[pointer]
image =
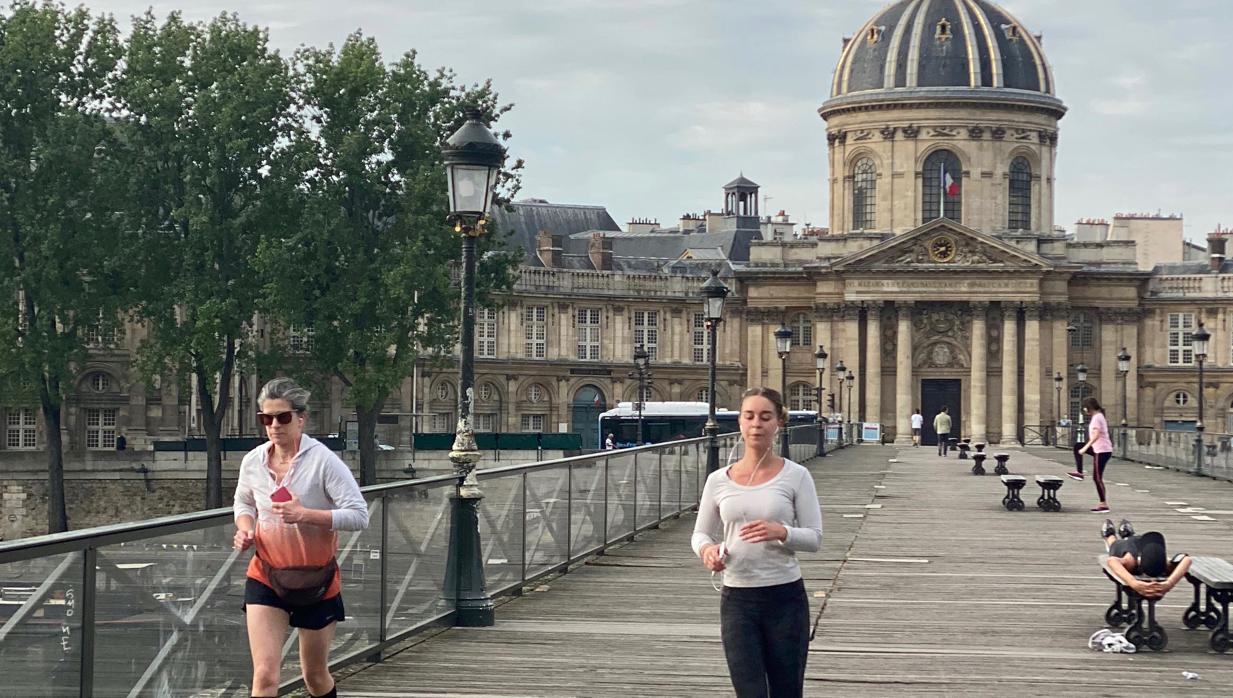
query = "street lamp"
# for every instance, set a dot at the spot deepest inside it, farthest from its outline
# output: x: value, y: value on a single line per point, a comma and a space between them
x: 1199, y: 344
x: 713, y: 294
x: 1123, y: 367
x: 472, y: 158
x: 783, y: 345
x: 838, y: 375
x: 820, y: 364
x: 851, y: 379
x: 642, y: 365
x: 1081, y: 372
x: 1057, y: 414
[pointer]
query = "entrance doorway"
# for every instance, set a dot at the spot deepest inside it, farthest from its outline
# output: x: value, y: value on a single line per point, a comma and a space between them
x: 936, y: 393
x: 588, y: 404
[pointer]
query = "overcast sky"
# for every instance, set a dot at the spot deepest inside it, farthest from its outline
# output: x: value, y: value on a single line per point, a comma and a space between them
x: 649, y: 107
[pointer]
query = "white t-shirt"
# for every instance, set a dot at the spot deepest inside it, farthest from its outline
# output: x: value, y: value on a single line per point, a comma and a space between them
x: 918, y: 421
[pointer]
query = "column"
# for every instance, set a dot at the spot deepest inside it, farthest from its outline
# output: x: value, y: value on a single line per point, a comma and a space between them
x: 903, y: 374
x: 873, y: 362
x: 1110, y: 391
x: 823, y: 335
x: 851, y: 356
x: 1059, y: 314
x: 1032, y: 369
x: 1010, y: 373
x: 1130, y: 337
x: 977, y: 401
x: 755, y: 332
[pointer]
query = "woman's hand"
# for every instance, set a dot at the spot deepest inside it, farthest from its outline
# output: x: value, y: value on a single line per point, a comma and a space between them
x: 761, y: 531
x: 290, y: 511
x: 711, y: 559
x: 243, y: 540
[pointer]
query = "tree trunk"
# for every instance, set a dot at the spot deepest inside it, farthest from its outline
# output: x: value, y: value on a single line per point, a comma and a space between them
x: 57, y: 514
x: 213, y: 423
x: 367, y: 418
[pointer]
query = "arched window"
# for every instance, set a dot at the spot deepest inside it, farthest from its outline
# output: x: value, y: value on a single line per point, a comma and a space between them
x: 943, y: 188
x: 1181, y: 398
x: 864, y: 195
x: 703, y: 395
x: 802, y: 330
x: 1078, y: 392
x: 1020, y: 200
x: 800, y: 396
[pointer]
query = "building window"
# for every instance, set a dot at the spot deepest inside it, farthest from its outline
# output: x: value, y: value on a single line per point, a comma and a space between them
x: 487, y: 392
x: 535, y: 331
x: 535, y: 393
x: 443, y: 422
x: 100, y: 382
x: 20, y: 429
x: 99, y: 337
x: 942, y: 187
x: 1181, y: 329
x: 704, y: 395
x: 486, y: 333
x: 300, y: 339
x: 864, y: 195
x: 646, y: 331
x: 802, y: 330
x: 1078, y: 392
x: 588, y: 334
x: 1084, y: 336
x: 443, y: 391
x: 1020, y: 200
x: 1181, y: 398
x: 100, y: 429
x: 533, y: 422
x: 800, y: 396
x: 485, y: 421
x: 702, y: 353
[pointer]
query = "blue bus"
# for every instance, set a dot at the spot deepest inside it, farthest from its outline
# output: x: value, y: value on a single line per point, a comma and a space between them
x: 670, y: 421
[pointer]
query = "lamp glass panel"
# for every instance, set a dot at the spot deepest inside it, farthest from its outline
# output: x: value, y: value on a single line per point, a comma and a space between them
x: 469, y: 189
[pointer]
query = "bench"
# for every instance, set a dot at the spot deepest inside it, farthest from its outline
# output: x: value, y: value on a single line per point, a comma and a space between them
x: 1217, y: 575
x: 978, y: 466
x: 1049, y: 485
x: 953, y: 444
x: 1001, y: 458
x: 979, y: 446
x: 1144, y: 631
x: 962, y: 447
x: 1013, y: 483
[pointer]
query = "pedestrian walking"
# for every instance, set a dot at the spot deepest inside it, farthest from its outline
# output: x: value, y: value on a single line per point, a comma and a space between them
x: 941, y: 426
x: 292, y: 498
x: 918, y: 423
x: 1100, y: 446
x: 610, y: 442
x: 754, y: 517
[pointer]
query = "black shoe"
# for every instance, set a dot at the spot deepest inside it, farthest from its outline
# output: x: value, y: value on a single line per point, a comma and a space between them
x: 1107, y: 529
x: 1125, y: 530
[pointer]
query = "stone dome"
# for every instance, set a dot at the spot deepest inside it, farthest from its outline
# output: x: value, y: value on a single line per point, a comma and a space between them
x: 965, y: 49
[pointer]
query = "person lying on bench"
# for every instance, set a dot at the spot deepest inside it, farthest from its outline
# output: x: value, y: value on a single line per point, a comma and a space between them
x: 1143, y: 555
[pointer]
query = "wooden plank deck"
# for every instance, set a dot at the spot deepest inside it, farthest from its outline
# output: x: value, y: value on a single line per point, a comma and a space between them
x: 934, y: 590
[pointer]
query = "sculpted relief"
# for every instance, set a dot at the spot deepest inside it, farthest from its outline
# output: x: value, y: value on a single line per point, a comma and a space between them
x: 944, y: 249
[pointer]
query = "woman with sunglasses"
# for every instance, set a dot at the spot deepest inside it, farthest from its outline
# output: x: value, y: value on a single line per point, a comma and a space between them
x: 292, y: 498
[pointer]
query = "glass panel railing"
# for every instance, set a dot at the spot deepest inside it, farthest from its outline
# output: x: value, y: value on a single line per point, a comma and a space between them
x: 505, y: 517
x: 417, y: 547
x: 621, y: 491
x: 40, y: 626
x: 649, y: 487
x: 586, y: 507
x: 547, y: 518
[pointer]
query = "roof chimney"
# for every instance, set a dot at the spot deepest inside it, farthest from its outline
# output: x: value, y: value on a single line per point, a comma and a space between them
x: 599, y: 249
x: 1217, y: 241
x: 548, y: 247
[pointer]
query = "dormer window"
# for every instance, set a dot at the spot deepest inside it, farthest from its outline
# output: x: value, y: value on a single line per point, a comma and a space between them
x: 942, y: 32
x: 1011, y: 31
x: 875, y: 34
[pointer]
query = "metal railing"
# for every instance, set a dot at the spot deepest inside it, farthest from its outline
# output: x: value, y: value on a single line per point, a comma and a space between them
x: 153, y: 608
x: 1206, y: 453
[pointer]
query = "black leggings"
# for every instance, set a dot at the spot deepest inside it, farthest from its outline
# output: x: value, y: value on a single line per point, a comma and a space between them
x: 766, y: 639
x: 1078, y: 458
x: 1098, y: 473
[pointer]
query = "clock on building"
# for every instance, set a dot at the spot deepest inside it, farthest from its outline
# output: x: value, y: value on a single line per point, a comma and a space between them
x: 942, y: 248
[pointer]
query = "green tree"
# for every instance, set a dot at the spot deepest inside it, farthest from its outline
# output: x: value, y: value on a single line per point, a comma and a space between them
x: 59, y: 228
x: 368, y: 268
x: 208, y: 116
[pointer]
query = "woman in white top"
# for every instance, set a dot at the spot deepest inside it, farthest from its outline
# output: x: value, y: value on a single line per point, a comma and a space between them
x: 755, y: 515
x: 292, y: 498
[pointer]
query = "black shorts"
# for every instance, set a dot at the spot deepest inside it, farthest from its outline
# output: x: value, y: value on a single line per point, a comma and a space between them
x: 916, y: 431
x: 314, y: 617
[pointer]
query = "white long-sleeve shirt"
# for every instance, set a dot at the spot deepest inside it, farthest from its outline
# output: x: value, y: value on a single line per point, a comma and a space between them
x: 789, y: 499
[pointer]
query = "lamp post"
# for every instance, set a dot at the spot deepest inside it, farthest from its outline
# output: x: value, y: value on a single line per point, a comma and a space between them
x: 642, y: 365
x: 713, y: 294
x: 472, y: 158
x: 820, y: 364
x: 1199, y: 343
x: 1081, y: 372
x: 1123, y: 367
x: 837, y: 397
x: 851, y: 379
x: 1057, y: 414
x: 783, y: 345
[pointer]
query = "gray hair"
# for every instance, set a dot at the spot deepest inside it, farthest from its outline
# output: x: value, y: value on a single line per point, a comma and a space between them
x: 285, y: 389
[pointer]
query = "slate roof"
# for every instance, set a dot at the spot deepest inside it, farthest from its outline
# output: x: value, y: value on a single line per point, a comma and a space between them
x: 531, y: 216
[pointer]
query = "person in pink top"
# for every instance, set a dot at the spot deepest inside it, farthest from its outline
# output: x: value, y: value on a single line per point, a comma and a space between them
x: 1100, y: 446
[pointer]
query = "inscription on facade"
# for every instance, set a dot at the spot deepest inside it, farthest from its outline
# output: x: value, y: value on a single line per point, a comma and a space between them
x: 991, y: 286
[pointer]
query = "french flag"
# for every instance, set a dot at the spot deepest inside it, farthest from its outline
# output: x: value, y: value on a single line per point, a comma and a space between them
x: 949, y: 185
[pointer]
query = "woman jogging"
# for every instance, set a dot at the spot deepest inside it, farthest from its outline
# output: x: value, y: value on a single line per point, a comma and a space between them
x: 1100, y: 446
x: 755, y: 515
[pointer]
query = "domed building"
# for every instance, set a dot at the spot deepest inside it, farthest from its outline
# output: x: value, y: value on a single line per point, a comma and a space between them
x: 942, y: 280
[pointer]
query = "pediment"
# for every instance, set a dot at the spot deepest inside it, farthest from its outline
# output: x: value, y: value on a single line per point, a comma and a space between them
x: 942, y: 245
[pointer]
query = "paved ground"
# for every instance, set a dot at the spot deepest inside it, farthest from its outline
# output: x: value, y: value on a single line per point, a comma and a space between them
x: 930, y: 587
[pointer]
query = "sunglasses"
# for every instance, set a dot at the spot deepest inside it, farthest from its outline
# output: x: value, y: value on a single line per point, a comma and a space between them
x: 282, y: 417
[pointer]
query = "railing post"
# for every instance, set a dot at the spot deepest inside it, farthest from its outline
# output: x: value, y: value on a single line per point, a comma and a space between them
x: 659, y: 498
x: 607, y: 460
x: 634, y: 529
x: 569, y: 513
x: 383, y: 631
x: 524, y: 528
x: 85, y: 611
